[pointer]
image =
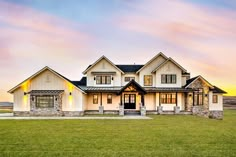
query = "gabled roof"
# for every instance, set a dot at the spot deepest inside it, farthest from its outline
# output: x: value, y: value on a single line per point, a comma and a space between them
x: 159, y: 54
x: 103, y: 57
x: 39, y: 72
x: 190, y: 81
x: 129, y: 68
x: 134, y: 83
x: 170, y: 60
x: 218, y: 90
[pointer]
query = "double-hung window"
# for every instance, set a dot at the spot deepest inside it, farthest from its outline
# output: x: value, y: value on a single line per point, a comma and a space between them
x: 147, y: 80
x: 103, y: 79
x: 168, y: 98
x: 168, y: 78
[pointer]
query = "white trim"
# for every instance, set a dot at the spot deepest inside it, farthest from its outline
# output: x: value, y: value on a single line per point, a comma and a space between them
x: 159, y: 54
x: 103, y: 57
x: 169, y: 60
x: 204, y: 80
x: 37, y: 73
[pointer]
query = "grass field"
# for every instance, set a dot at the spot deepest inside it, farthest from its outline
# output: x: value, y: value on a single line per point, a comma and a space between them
x: 165, y: 135
x: 5, y: 111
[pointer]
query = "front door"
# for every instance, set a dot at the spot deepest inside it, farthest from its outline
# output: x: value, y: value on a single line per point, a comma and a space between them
x: 130, y: 101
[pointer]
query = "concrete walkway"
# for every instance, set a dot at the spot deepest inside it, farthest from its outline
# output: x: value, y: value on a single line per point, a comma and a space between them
x: 10, y: 116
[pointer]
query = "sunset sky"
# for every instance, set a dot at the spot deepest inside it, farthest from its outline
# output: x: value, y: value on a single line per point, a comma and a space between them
x: 68, y: 35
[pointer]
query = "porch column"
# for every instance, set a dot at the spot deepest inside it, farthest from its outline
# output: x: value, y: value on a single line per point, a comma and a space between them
x: 121, y: 107
x: 159, y: 108
x: 142, y: 100
x: 142, y: 107
x: 176, y: 108
x: 101, y: 108
x: 189, y: 101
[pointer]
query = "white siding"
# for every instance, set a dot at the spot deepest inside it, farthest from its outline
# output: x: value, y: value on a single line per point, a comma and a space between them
x: 169, y: 68
x: 104, y: 66
x: 148, y: 70
x: 48, y: 81
x: 170, y: 107
x: 128, y: 75
x: 150, y: 101
x: 113, y: 106
x: 215, y: 106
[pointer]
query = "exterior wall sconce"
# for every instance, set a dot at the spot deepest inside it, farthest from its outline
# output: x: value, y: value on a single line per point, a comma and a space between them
x: 94, y: 78
x: 205, y: 95
x: 25, y: 93
x: 112, y: 78
x: 56, y: 99
x: 70, y: 93
x: 190, y: 95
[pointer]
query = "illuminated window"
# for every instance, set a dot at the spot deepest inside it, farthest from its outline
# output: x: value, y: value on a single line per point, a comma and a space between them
x: 44, y: 101
x: 169, y: 98
x: 215, y: 99
x: 147, y: 80
x: 127, y: 79
x: 95, y: 99
x: 168, y: 79
x: 198, y: 97
x: 109, y: 99
x: 103, y: 79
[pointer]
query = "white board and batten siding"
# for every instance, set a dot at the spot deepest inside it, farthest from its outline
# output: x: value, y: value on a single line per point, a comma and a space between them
x: 104, y: 66
x: 147, y: 70
x: 169, y: 68
x: 215, y: 106
x: 49, y: 81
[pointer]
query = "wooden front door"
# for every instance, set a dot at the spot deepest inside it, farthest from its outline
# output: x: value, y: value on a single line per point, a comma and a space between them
x: 130, y: 101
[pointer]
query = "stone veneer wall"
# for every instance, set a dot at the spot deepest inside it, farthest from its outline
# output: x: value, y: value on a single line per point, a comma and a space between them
x: 189, y: 102
x: 200, y: 84
x: 200, y: 111
x: 55, y: 111
x: 216, y: 114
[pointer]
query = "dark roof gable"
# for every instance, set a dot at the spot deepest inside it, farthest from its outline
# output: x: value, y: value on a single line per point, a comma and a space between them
x: 218, y: 90
x: 129, y: 68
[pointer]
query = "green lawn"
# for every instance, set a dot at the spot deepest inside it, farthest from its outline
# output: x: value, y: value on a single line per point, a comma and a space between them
x: 5, y: 111
x: 165, y: 135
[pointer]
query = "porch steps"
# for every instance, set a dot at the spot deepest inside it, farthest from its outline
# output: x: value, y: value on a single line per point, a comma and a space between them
x: 132, y: 112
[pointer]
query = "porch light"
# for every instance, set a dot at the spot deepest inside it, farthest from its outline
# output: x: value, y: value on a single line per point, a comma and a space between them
x: 94, y: 78
x: 70, y: 93
x: 112, y: 78
x: 56, y: 99
x: 205, y: 95
x: 25, y: 93
x: 190, y: 95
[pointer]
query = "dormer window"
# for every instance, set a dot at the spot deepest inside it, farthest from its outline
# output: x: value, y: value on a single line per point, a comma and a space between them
x: 103, y: 79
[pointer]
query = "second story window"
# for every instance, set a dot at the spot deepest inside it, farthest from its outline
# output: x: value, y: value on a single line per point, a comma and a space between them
x: 103, y: 79
x: 127, y: 79
x: 147, y: 80
x: 168, y: 78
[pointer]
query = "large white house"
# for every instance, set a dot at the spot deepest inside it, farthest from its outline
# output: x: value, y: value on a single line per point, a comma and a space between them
x: 161, y: 86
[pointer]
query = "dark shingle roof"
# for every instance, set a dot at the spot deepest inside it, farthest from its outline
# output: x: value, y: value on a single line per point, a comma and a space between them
x: 82, y: 82
x: 218, y: 90
x: 190, y: 81
x: 129, y: 68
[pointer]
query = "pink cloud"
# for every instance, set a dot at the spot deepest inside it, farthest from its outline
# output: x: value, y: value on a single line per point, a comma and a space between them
x: 205, y: 36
